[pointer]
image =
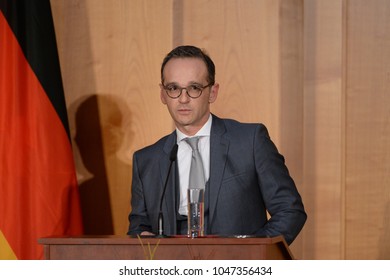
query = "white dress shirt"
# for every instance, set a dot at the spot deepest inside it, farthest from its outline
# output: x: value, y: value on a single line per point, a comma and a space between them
x: 184, y: 155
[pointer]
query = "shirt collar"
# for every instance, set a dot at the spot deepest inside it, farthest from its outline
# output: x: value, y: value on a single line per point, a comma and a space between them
x: 204, y: 131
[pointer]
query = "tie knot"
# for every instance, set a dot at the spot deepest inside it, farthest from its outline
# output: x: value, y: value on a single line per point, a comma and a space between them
x: 193, y: 142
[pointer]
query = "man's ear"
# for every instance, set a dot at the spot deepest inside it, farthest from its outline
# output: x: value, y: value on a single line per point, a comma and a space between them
x: 163, y: 95
x: 214, y: 93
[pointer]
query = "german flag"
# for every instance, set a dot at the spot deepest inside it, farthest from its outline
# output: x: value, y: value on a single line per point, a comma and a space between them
x: 38, y: 187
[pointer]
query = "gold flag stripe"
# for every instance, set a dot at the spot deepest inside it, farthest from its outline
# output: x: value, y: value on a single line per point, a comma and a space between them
x: 6, y: 252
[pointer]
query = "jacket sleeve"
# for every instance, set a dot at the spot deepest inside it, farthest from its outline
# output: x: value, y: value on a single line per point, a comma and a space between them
x: 281, y: 197
x: 138, y: 217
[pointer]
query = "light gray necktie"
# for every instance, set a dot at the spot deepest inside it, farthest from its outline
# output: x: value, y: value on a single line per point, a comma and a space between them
x: 197, y: 177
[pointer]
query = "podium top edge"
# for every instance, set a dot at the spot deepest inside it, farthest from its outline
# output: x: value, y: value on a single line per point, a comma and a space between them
x: 125, y: 239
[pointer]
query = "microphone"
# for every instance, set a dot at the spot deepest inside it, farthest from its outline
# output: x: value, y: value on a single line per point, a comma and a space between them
x: 172, y: 158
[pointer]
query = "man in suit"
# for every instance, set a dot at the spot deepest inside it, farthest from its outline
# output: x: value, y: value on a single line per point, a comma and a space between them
x: 245, y: 174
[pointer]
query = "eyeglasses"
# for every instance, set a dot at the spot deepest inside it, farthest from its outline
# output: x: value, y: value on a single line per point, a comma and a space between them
x: 193, y: 91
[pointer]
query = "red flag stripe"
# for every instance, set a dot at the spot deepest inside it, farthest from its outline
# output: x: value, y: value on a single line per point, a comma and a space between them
x: 38, y: 188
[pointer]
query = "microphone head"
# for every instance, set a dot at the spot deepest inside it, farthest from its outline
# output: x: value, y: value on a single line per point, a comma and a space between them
x: 173, y: 155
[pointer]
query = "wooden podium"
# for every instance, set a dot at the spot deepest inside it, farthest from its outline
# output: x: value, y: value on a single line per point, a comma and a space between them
x: 172, y: 248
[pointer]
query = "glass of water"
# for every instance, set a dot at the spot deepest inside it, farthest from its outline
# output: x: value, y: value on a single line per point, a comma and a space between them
x: 195, y: 212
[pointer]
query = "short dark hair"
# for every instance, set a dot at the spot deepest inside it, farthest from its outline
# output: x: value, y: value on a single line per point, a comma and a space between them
x: 188, y: 52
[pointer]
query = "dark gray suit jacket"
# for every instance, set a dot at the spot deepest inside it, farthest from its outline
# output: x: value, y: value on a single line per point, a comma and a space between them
x: 247, y: 177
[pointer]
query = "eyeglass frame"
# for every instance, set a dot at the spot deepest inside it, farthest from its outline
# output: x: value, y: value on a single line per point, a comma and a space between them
x: 186, y: 88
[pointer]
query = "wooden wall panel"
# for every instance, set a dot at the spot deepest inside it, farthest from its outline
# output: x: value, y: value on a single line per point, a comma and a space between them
x: 242, y: 38
x: 368, y: 130
x: 291, y: 106
x: 323, y: 110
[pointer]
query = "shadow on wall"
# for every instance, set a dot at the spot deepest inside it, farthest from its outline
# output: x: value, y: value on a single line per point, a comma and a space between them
x: 94, y: 191
x: 98, y: 138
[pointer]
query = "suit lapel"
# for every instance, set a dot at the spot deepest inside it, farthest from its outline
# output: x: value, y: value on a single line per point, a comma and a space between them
x: 169, y: 208
x: 219, y: 147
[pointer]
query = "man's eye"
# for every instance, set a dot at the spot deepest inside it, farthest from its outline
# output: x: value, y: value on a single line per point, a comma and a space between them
x: 172, y: 88
x: 195, y: 87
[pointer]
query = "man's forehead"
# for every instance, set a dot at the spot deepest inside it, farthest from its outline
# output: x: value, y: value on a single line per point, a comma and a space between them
x: 185, y: 67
